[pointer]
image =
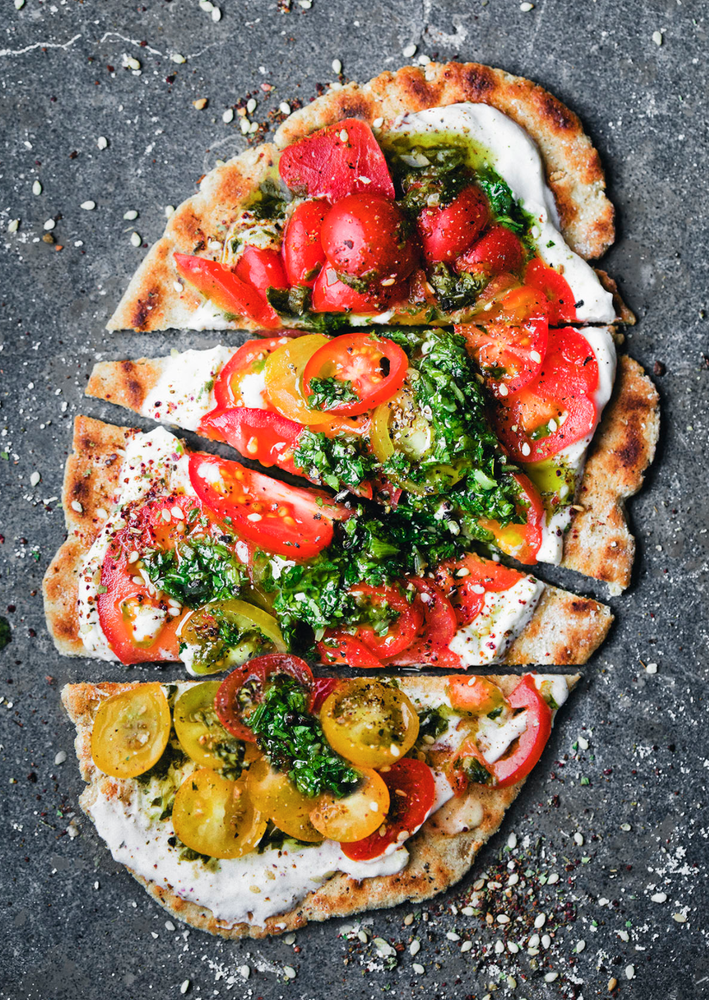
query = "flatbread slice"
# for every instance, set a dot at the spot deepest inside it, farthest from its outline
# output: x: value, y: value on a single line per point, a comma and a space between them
x: 563, y: 629
x: 599, y: 543
x: 156, y: 298
x: 441, y: 853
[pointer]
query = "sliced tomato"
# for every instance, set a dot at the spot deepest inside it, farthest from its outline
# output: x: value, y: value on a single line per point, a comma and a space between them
x: 373, y: 367
x: 412, y: 792
x: 561, y: 306
x: 262, y: 268
x: 364, y: 645
x: 335, y: 161
x: 240, y: 693
x: 521, y: 541
x: 322, y: 689
x: 557, y: 408
x: 364, y: 236
x: 262, y: 435
x: 439, y: 626
x: 447, y: 232
x: 303, y: 254
x: 249, y: 359
x: 226, y: 290
x: 476, y: 695
x: 509, y: 356
x: 332, y: 295
x: 465, y: 582
x: 278, y: 518
x: 498, y: 251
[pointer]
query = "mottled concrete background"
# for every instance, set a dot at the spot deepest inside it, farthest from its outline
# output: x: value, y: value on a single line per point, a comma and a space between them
x: 618, y: 807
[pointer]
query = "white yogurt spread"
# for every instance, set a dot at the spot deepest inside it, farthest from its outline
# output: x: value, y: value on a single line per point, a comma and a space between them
x: 183, y: 393
x: 503, y: 617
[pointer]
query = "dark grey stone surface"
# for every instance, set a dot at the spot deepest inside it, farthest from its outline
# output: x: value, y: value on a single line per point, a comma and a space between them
x: 74, y: 924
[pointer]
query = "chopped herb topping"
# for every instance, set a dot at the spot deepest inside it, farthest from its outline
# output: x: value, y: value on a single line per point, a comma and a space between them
x: 196, y: 572
x: 329, y: 393
x: 338, y: 462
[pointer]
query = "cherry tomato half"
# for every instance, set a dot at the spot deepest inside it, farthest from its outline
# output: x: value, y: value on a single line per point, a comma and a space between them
x: 412, y: 792
x: 363, y: 236
x: 262, y: 268
x: 215, y: 816
x: 356, y: 815
x: 303, y: 254
x: 232, y: 388
x: 369, y: 723
x: 282, y: 519
x: 332, y: 295
x: 130, y: 731
x: 244, y: 688
x: 371, y: 367
x: 498, y: 251
x: 561, y: 305
x: 335, y: 161
x: 262, y: 435
x: 226, y: 290
x: 439, y: 626
x: 447, y: 232
x: 509, y: 356
x: 557, y: 408
x: 476, y: 695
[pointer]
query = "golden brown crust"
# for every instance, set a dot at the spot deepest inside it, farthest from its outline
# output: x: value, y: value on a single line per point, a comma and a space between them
x: 573, y: 167
x: 439, y: 857
x: 599, y: 541
x: 90, y: 482
x: 153, y: 301
x: 564, y: 629
x: 126, y: 383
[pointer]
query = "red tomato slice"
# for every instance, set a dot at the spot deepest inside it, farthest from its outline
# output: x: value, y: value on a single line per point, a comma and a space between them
x: 521, y: 541
x: 335, y: 161
x: 261, y: 268
x: 303, y: 254
x: 322, y: 689
x: 509, y: 356
x: 364, y: 647
x: 127, y: 596
x: 281, y: 519
x: 412, y: 792
x: 249, y: 358
x: 439, y: 626
x: 556, y: 289
x: 375, y: 367
x: 244, y: 688
x: 498, y: 251
x: 447, y: 232
x: 465, y: 582
x: 343, y: 648
x: 557, y: 408
x: 332, y: 295
x: 363, y: 236
x: 263, y: 435
x: 226, y: 290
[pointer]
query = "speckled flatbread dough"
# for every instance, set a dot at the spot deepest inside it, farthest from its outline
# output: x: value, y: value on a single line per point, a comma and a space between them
x: 439, y: 857
x: 564, y: 629
x: 157, y: 300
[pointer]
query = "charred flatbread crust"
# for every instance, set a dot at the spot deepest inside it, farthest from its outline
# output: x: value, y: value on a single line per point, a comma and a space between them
x: 439, y: 858
x: 599, y: 541
x: 156, y: 300
x: 564, y: 628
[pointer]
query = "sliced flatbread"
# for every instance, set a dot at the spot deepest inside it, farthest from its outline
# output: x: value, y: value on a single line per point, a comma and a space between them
x: 599, y: 543
x: 441, y: 853
x: 156, y: 300
x: 564, y: 629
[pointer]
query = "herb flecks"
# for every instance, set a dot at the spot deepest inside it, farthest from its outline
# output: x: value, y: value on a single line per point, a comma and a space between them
x: 196, y: 572
x: 330, y: 393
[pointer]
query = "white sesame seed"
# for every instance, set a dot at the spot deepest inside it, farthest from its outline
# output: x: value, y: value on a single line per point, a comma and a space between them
x: 60, y: 757
x: 169, y: 926
x: 19, y: 4
x: 502, y: 918
x: 88, y: 206
x: 206, y: 6
x: 533, y: 941
x: 75, y: 505
x: 512, y: 841
x: 526, y: 450
x: 102, y: 142
x: 244, y: 125
x: 583, y: 743
x: 228, y: 116
x: 169, y: 210
x: 657, y: 37
x: 176, y: 57
x: 680, y: 918
x: 136, y: 239
x: 630, y: 972
x: 185, y: 986
x: 503, y: 390
x: 374, y: 806
x: 34, y: 478
x: 651, y: 668
x: 165, y: 514
x: 578, y: 839
x: 377, y: 123
x: 466, y: 946
x: 284, y: 108
x: 216, y: 15
x: 130, y: 215
x: 452, y: 936
x: 659, y: 897
x: 512, y: 947
x: 550, y: 976
x: 13, y: 225
x: 178, y: 286
x: 130, y: 62
x: 305, y: 4
x: 253, y: 127
x: 49, y: 224
x: 513, y: 879
x: 287, y: 969
x: 580, y: 945
x: 336, y: 66
x: 244, y: 971
x: 546, y: 941
x: 36, y: 188
x: 511, y: 983
x: 410, y: 50
x: 415, y: 947
x: 418, y: 969
x: 540, y: 920
x: 468, y: 911
x: 553, y: 879
x: 535, y: 356
x: 499, y: 947
x: 526, y: 7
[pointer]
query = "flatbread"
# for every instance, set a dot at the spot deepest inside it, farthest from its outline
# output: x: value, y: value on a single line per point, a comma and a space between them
x: 599, y: 543
x: 439, y: 858
x: 564, y: 629
x: 157, y: 300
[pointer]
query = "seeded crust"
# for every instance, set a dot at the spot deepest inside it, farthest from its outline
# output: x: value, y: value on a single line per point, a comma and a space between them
x: 153, y: 301
x: 439, y: 858
x: 564, y: 629
x: 599, y: 541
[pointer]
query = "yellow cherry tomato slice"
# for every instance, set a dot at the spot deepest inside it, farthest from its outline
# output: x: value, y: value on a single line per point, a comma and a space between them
x: 275, y: 795
x: 215, y: 816
x: 201, y: 734
x: 369, y: 723
x: 357, y: 815
x: 131, y: 730
x: 283, y: 373
x: 254, y: 632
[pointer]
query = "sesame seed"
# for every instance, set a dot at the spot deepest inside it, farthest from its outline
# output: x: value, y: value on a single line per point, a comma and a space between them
x: 680, y: 918
x: 418, y: 969
x: 216, y: 15
x: 546, y: 941
x: 512, y: 947
x: 37, y: 188
x: 651, y: 668
x: 657, y: 37
x: 408, y: 919
x: 13, y: 225
x: 526, y: 450
x: 60, y: 757
x: 178, y: 58
x: 535, y: 356
x: 130, y: 215
x: 415, y: 947
x: 659, y: 897
x: 34, y: 478
x: 452, y: 936
x: 169, y: 926
x: 578, y: 839
x: 88, y: 206
x: 550, y: 976
x: 206, y: 6
x: 136, y: 239
x: 503, y: 390
x: 245, y: 125
x: 533, y: 941
x: 526, y: 7
x: 49, y: 224
x: 75, y: 505
x: 512, y: 841
x: 499, y: 947
x: 305, y: 4
x: 377, y: 123
x: 228, y: 116
x: 289, y: 939
x: 540, y: 920
x: 612, y: 983
x: 423, y: 59
x: 169, y: 210
x: 502, y: 918
x: 185, y: 986
x: 513, y: 879
x: 553, y: 879
x: 200, y: 104
x: 253, y: 127
x: 336, y: 66
x: 410, y: 50
x: 284, y: 108
x: 254, y: 517
x: 19, y: 4
x: 244, y: 971
x: 251, y: 105
x: 374, y: 806
x: 287, y: 969
x: 580, y: 945
x: 583, y: 743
